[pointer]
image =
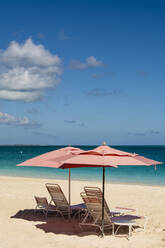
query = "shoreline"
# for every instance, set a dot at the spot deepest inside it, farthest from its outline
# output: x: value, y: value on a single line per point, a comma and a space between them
x: 4, y: 177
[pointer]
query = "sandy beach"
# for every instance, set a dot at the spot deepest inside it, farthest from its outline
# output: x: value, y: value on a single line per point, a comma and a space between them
x: 20, y: 228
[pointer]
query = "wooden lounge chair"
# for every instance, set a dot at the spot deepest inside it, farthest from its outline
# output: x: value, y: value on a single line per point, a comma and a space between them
x: 61, y: 203
x: 95, y: 191
x: 94, y: 207
x: 42, y: 204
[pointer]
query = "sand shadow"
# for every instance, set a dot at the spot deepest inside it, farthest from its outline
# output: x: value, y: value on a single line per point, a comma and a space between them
x: 57, y: 225
x: 31, y: 215
x: 53, y: 223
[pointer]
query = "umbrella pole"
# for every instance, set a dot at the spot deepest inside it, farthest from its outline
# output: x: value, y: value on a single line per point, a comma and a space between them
x: 103, y: 183
x: 69, y: 194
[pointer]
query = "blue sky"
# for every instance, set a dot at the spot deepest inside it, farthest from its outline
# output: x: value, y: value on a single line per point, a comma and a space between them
x: 81, y: 72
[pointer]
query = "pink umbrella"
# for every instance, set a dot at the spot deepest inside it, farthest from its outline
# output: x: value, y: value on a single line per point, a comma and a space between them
x: 53, y: 159
x: 107, y: 156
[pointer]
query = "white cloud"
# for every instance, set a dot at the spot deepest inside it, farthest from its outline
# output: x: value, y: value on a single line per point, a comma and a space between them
x: 89, y: 62
x: 8, y: 119
x: 28, y: 69
x: 27, y: 96
x: 93, y: 62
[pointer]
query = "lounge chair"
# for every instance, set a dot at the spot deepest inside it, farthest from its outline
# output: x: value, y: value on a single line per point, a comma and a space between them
x: 42, y: 204
x: 95, y: 191
x: 94, y: 207
x: 61, y: 203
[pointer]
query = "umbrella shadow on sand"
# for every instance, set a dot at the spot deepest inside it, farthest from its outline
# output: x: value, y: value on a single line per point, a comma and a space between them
x: 53, y: 223
x: 58, y: 225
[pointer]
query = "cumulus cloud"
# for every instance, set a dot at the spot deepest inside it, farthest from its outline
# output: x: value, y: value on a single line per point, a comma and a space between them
x: 8, y: 119
x: 27, y: 96
x: 27, y: 70
x: 103, y: 92
x: 89, y: 63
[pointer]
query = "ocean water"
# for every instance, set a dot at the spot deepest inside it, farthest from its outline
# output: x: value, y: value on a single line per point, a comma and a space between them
x: 12, y: 155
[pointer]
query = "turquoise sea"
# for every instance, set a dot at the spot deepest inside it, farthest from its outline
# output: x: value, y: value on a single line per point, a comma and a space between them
x: 12, y: 155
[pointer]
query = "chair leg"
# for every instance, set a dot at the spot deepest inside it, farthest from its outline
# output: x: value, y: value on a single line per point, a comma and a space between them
x: 80, y: 226
x: 113, y: 229
x: 61, y: 214
x: 77, y: 213
x: 85, y: 217
x: 145, y: 223
x: 102, y: 234
x: 117, y: 229
x: 130, y: 232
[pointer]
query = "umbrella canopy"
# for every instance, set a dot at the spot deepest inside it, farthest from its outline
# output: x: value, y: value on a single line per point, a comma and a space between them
x: 107, y: 156
x: 52, y: 159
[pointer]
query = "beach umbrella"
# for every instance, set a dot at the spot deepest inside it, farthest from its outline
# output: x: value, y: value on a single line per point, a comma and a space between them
x: 54, y: 159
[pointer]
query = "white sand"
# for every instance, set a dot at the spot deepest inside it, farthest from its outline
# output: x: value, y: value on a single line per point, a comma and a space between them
x: 18, y: 194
